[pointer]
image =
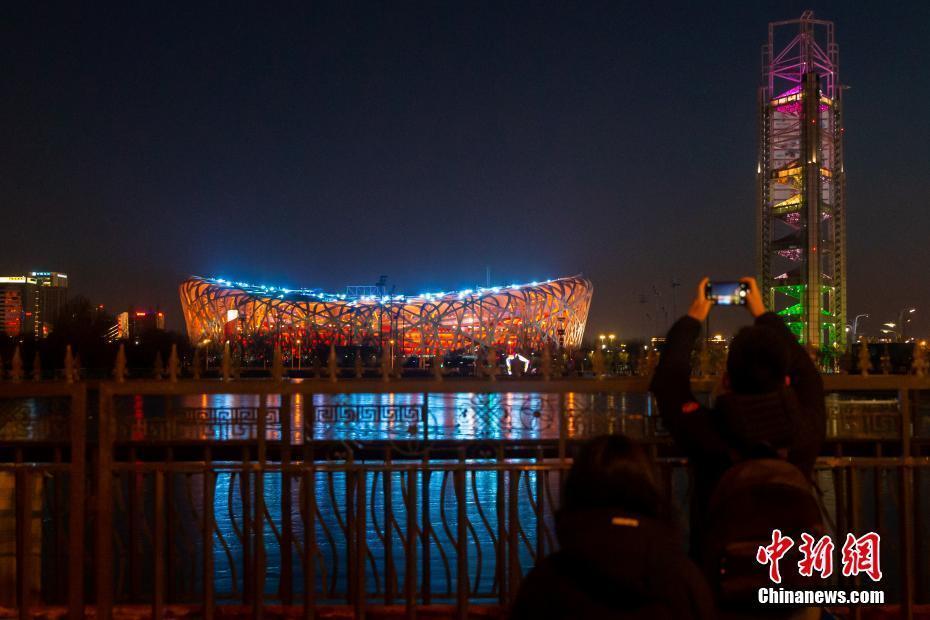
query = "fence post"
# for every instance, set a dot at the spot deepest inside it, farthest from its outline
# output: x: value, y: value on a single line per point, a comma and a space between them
x: 258, y: 590
x: 286, y: 588
x: 904, y: 400
x: 410, y: 554
x: 390, y: 575
x: 907, y: 539
x: 426, y: 588
x: 245, y: 493
x: 24, y: 584
x: 309, y: 559
x: 462, y: 585
x: 209, y: 491
x: 361, y: 545
x: 104, y: 530
x: 855, y: 522
x: 500, y: 564
x: 513, y: 542
x: 541, y: 480
x: 158, y: 544
x: 425, y: 416
x: 351, y: 538
x: 77, y: 500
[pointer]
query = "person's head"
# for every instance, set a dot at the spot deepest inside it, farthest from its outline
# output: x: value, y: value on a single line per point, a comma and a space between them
x: 757, y: 362
x: 613, y: 471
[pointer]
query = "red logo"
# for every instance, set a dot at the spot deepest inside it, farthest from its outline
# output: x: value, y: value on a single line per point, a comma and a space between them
x: 773, y: 553
x: 817, y: 556
x: 859, y: 555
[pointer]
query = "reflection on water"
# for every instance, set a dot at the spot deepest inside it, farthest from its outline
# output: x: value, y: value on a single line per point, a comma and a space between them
x: 331, y: 568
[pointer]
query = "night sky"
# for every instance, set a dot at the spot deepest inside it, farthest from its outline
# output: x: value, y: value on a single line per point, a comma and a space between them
x: 326, y: 144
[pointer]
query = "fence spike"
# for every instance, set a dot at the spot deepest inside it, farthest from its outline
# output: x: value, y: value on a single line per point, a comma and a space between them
x: 886, y: 361
x: 919, y: 364
x: 173, y: 364
x: 195, y: 364
x: 227, y: 362
x: 37, y: 367
x: 865, y: 360
x: 331, y: 364
x: 119, y: 371
x: 16, y: 367
x: 69, y: 365
x: 277, y: 364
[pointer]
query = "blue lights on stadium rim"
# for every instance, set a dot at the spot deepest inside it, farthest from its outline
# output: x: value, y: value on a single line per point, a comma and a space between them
x: 280, y: 292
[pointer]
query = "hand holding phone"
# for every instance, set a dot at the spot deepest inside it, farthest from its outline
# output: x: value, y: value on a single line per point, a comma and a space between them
x: 701, y: 306
x: 727, y: 293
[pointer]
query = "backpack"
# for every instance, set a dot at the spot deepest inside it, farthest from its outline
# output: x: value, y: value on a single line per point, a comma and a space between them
x: 753, y: 498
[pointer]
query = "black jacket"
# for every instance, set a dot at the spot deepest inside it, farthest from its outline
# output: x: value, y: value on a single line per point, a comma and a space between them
x: 607, y: 567
x: 789, y: 423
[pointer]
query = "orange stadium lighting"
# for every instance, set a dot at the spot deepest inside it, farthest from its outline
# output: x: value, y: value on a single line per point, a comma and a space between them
x: 518, y: 317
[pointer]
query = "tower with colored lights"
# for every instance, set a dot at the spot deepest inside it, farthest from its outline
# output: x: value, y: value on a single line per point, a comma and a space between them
x: 801, y: 221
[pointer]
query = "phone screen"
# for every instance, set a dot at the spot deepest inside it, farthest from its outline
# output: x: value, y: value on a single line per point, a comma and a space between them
x: 727, y: 293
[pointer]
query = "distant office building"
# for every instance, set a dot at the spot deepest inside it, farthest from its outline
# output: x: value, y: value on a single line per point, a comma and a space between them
x: 30, y: 304
x: 130, y: 325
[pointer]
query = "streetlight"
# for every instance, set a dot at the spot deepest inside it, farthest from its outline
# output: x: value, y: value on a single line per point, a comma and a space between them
x: 904, y: 318
x: 298, y: 354
x: 855, y: 326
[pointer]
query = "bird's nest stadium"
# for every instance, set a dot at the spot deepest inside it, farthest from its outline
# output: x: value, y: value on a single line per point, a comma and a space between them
x: 519, y: 317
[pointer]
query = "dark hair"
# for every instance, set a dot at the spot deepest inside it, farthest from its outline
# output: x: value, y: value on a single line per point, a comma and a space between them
x: 613, y: 471
x: 758, y: 361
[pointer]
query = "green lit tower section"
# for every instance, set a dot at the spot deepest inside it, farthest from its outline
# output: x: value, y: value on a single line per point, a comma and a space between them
x: 801, y: 222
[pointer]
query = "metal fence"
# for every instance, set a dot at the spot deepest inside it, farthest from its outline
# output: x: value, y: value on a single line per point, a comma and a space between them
x: 288, y: 496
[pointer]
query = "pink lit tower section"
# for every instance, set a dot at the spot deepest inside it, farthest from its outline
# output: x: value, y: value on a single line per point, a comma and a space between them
x: 801, y: 222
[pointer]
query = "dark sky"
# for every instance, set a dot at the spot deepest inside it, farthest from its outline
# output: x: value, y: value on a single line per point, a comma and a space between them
x: 325, y: 144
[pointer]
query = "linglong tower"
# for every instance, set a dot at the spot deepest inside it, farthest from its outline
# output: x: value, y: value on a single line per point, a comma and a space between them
x: 801, y: 222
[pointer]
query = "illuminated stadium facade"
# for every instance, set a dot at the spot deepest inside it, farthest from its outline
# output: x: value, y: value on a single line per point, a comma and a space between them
x: 509, y: 319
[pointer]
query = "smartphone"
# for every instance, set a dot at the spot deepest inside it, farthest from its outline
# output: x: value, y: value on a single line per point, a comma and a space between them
x: 727, y: 293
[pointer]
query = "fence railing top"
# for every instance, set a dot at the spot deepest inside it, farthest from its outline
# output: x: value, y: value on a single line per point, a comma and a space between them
x: 630, y: 384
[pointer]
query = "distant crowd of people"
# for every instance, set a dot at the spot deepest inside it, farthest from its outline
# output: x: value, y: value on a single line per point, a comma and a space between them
x: 751, y: 454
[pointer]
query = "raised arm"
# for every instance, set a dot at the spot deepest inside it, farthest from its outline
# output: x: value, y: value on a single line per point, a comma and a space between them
x: 687, y: 420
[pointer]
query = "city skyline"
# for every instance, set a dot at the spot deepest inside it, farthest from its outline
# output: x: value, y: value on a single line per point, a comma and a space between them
x: 332, y: 155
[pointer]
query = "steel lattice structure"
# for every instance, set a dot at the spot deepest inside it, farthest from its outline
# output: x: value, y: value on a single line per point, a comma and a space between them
x: 801, y: 222
x: 517, y: 317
